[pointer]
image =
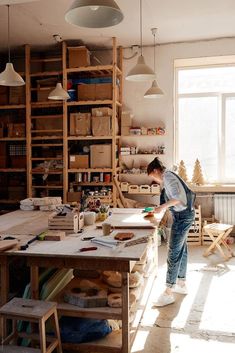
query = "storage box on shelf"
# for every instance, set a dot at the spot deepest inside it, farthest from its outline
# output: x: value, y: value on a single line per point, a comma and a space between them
x: 80, y: 124
x: 78, y: 57
x: 79, y: 161
x: 101, y: 156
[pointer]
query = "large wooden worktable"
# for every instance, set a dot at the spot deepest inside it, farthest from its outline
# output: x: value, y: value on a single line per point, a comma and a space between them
x: 64, y: 254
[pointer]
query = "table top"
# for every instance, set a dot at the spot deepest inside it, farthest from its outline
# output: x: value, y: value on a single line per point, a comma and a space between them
x: 25, y: 223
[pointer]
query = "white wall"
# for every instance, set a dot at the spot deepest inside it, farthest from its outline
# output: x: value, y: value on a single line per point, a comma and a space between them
x: 150, y: 112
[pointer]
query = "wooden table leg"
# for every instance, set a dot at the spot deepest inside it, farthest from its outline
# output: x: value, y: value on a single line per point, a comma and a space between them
x: 4, y: 290
x: 34, y: 281
x: 125, y: 313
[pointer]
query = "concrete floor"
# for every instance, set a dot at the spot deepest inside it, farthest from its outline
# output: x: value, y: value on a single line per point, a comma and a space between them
x: 202, y: 321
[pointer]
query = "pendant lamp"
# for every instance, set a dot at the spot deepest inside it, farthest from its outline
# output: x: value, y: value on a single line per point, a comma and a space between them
x: 94, y: 13
x: 9, y: 77
x: 140, y: 72
x: 154, y: 91
x: 59, y: 93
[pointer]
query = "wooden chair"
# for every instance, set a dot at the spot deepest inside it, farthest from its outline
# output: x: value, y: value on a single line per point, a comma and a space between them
x: 35, y: 312
x: 219, y: 233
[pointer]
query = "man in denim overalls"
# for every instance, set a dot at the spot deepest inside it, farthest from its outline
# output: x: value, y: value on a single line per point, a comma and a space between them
x: 180, y: 200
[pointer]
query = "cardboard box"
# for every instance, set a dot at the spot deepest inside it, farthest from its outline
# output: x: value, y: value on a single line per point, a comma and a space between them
x: 125, y: 130
x: 86, y: 92
x: 104, y: 91
x: 3, y: 95
x: 78, y: 161
x: 80, y: 124
x: 101, y: 125
x: 74, y: 196
x: 79, y: 57
x: 102, y: 111
x: 126, y: 119
x: 17, y: 95
x: 101, y: 156
x: 16, y: 130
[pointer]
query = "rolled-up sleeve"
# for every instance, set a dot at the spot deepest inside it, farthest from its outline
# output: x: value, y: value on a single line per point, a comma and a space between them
x: 174, y: 189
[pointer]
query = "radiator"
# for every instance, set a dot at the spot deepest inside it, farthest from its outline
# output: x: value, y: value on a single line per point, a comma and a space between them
x: 225, y: 208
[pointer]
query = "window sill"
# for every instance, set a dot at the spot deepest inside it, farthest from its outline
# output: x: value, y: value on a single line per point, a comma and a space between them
x: 213, y: 188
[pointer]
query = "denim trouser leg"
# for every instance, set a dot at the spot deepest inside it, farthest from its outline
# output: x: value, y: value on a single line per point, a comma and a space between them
x: 177, y: 252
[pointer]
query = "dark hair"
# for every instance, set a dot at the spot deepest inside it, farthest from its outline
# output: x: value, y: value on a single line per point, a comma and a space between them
x: 155, y: 164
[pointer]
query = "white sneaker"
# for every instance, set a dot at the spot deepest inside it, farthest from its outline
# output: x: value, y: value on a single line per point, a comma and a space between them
x: 164, y: 299
x: 180, y: 289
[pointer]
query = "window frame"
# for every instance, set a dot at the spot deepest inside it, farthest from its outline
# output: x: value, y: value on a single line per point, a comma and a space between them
x: 196, y: 63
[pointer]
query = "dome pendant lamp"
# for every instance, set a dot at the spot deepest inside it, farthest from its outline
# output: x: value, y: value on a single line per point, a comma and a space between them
x: 59, y: 93
x: 9, y: 77
x: 154, y: 91
x: 94, y: 13
x: 140, y: 72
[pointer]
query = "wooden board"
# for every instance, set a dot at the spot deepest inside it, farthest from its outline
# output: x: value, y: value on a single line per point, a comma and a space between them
x: 7, y: 244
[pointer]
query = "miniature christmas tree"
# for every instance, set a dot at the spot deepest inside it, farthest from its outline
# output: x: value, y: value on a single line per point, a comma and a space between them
x: 182, y: 171
x: 197, y: 174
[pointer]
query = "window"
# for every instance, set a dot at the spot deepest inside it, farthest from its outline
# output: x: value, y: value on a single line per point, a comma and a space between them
x: 205, y: 119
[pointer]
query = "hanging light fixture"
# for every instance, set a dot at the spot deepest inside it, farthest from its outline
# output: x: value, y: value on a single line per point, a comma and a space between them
x: 140, y: 72
x: 9, y: 77
x: 154, y: 91
x: 94, y: 13
x: 59, y: 93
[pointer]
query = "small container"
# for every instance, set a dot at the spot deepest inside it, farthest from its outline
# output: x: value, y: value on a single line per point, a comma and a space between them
x: 101, y: 177
x: 107, y: 178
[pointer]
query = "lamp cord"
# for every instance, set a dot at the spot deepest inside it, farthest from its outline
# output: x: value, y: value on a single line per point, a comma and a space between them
x: 154, y: 54
x: 141, y: 29
x: 8, y: 34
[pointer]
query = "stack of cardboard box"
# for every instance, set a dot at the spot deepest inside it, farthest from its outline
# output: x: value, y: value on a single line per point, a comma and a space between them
x: 126, y: 123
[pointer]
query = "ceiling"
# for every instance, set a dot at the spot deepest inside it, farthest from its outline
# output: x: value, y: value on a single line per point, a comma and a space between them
x: 182, y: 20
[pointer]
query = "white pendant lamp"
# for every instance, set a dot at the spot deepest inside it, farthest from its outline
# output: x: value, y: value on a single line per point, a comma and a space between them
x: 154, y: 91
x: 140, y: 72
x: 94, y: 13
x: 9, y: 77
x: 59, y: 93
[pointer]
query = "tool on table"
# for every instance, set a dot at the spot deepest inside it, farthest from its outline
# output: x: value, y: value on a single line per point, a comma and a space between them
x: 87, y: 238
x: 137, y: 241
x: 37, y: 237
x: 91, y: 248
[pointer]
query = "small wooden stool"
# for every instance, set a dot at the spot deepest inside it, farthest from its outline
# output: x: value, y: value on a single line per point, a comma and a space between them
x: 34, y: 311
x: 218, y: 233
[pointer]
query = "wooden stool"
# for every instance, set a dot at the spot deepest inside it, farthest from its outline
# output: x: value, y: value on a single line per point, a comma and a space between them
x: 218, y: 233
x: 34, y: 311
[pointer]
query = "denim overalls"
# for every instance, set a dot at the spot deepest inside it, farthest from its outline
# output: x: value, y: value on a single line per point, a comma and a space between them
x: 178, y: 250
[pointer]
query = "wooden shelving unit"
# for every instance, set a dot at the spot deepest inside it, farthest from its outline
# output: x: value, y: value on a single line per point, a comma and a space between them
x: 113, y: 71
x: 40, y: 137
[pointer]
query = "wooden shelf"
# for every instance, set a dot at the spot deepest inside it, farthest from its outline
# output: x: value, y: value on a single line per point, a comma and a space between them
x: 53, y: 187
x: 47, y: 158
x: 75, y: 138
x: 101, y: 70
x: 13, y: 106
x: 93, y: 184
x: 141, y: 193
x: 47, y: 116
x: 142, y: 155
x: 46, y: 73
x: 13, y: 139
x: 47, y: 138
x: 91, y: 170
x: 143, y: 135
x: 130, y: 174
x: 47, y: 104
x: 11, y: 170
x: 46, y: 172
x: 45, y: 60
x: 47, y: 145
x: 46, y: 131
x: 97, y: 102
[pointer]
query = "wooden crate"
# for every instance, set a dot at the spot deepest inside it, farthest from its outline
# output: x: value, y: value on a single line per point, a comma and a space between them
x: 195, y: 232
x: 71, y: 221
